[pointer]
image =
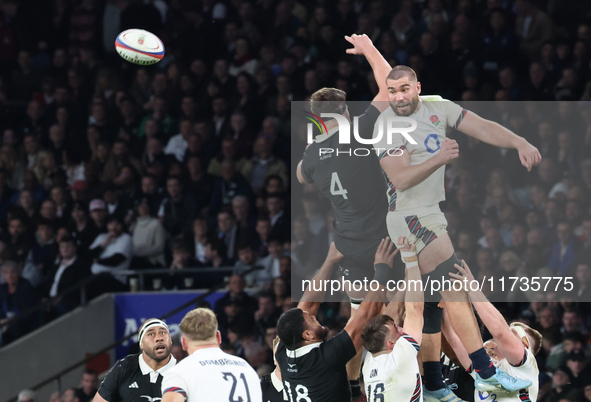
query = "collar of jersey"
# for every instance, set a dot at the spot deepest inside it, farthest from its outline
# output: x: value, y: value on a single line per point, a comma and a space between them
x: 302, y: 351
x: 324, y: 137
x: 154, y: 374
x: 278, y: 385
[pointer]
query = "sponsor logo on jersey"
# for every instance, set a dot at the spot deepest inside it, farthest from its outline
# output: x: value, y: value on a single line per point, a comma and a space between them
x: 151, y: 399
x: 291, y: 368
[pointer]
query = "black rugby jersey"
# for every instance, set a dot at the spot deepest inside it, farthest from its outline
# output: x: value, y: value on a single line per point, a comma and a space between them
x: 317, y: 373
x: 354, y: 184
x: 270, y: 393
x: 131, y: 381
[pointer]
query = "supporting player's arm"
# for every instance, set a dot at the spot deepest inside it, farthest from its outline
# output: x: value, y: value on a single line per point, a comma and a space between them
x: 362, y: 44
x: 299, y: 173
x: 374, y: 300
x: 494, y: 321
x: 414, y: 299
x: 404, y: 176
x: 312, y: 299
x: 98, y: 398
x: 172, y: 397
x: 494, y: 134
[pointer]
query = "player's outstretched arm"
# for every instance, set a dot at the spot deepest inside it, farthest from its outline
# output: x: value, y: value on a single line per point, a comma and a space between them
x: 414, y: 299
x: 494, y: 134
x: 454, y: 341
x: 362, y: 44
x: 494, y: 321
x: 374, y: 300
x: 311, y: 299
x: 404, y: 176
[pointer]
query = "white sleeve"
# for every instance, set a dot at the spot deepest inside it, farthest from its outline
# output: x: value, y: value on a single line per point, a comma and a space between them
x: 454, y: 113
x: 404, y: 355
x: 123, y: 245
x: 174, y: 382
x: 99, y: 239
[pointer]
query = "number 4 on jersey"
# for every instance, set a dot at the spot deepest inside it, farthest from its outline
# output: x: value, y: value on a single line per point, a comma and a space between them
x: 336, y: 188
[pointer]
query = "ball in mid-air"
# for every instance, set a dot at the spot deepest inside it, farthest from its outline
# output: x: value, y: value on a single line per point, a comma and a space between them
x: 139, y: 47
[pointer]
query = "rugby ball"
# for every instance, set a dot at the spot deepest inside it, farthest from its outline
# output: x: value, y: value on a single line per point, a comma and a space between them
x: 139, y: 47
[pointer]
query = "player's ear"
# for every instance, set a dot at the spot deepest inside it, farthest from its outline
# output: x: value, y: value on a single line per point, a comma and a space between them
x: 184, y: 343
x: 418, y: 88
x: 218, y: 337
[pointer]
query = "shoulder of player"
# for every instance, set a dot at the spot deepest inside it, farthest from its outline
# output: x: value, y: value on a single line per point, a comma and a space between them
x: 129, y: 361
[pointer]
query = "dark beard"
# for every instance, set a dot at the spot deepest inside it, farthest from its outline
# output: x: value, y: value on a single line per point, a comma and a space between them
x: 414, y: 104
x: 152, y: 354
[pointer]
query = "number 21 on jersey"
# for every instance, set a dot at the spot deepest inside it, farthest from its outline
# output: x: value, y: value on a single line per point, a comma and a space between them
x: 336, y: 188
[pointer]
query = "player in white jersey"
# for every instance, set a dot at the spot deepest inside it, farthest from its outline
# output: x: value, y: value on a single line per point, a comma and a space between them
x: 208, y: 373
x: 512, y: 349
x: 415, y: 175
x: 390, y: 369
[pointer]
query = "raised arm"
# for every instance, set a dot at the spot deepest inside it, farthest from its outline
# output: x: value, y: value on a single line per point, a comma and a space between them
x: 362, y: 44
x: 404, y: 176
x: 312, y: 299
x: 494, y: 134
x: 414, y: 299
x: 510, y: 345
x: 374, y: 300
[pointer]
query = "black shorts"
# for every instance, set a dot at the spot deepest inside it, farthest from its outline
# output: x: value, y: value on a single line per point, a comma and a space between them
x: 359, y: 258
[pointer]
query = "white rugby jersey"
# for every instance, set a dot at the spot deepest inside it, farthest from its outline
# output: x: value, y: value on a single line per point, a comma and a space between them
x: 394, y: 376
x: 433, y: 118
x: 527, y: 369
x: 212, y: 375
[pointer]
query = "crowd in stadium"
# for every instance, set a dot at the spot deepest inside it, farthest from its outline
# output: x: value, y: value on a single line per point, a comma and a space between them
x: 106, y: 166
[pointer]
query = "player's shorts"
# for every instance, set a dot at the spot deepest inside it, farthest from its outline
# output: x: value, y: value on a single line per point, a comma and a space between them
x: 420, y: 226
x: 359, y: 255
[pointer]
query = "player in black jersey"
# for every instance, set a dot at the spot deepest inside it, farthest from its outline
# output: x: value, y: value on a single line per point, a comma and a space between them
x: 138, y: 377
x: 354, y: 184
x: 271, y: 384
x: 314, y: 369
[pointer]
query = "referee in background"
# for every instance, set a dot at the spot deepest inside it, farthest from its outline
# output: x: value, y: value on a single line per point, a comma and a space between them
x: 138, y: 377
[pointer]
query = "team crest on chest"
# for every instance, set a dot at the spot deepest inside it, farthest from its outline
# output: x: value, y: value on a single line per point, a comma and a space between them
x: 435, y: 120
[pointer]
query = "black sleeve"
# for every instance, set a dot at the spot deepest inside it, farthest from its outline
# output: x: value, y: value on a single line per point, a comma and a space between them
x: 367, y: 121
x: 113, y: 260
x: 95, y: 252
x: 339, y: 350
x: 109, y: 388
x: 307, y: 170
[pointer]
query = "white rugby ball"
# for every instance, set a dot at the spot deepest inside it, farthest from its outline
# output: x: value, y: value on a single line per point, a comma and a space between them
x: 139, y: 47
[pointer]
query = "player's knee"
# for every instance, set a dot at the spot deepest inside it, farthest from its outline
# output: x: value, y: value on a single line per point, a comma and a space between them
x: 432, y: 317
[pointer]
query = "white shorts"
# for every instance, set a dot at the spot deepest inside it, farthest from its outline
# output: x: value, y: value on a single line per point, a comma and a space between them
x: 420, y: 226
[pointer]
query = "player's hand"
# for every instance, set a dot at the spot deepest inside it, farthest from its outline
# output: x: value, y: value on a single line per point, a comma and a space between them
x: 334, y: 255
x: 529, y: 155
x: 408, y: 248
x: 385, y: 253
x: 464, y: 271
x: 449, y: 151
x: 361, y: 44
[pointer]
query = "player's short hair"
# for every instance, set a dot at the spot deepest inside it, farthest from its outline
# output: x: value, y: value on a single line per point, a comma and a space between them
x: 290, y: 327
x: 400, y: 72
x: 327, y: 100
x: 534, y: 337
x: 199, y: 324
x: 374, y: 333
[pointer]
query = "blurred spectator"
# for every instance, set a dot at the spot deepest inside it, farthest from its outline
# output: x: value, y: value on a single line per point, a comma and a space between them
x: 565, y: 251
x: 67, y: 271
x: 148, y: 239
x: 178, y: 209
x: 98, y: 213
x: 270, y: 264
x: 26, y: 395
x: 236, y: 293
x: 112, y: 251
x: 82, y: 229
x: 228, y: 232
x: 577, y: 363
x: 16, y: 296
x: 229, y: 185
x: 216, y: 253
x: 264, y: 164
x: 88, y: 386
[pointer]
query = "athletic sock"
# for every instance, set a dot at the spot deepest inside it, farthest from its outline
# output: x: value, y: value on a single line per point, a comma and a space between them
x: 355, y: 388
x: 482, y: 363
x: 433, y: 377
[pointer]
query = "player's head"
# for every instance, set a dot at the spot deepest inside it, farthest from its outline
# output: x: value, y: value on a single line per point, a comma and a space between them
x: 200, y: 326
x: 154, y: 338
x: 381, y: 333
x: 492, y: 349
x: 329, y: 100
x: 295, y: 327
x: 531, y: 338
x: 403, y: 90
